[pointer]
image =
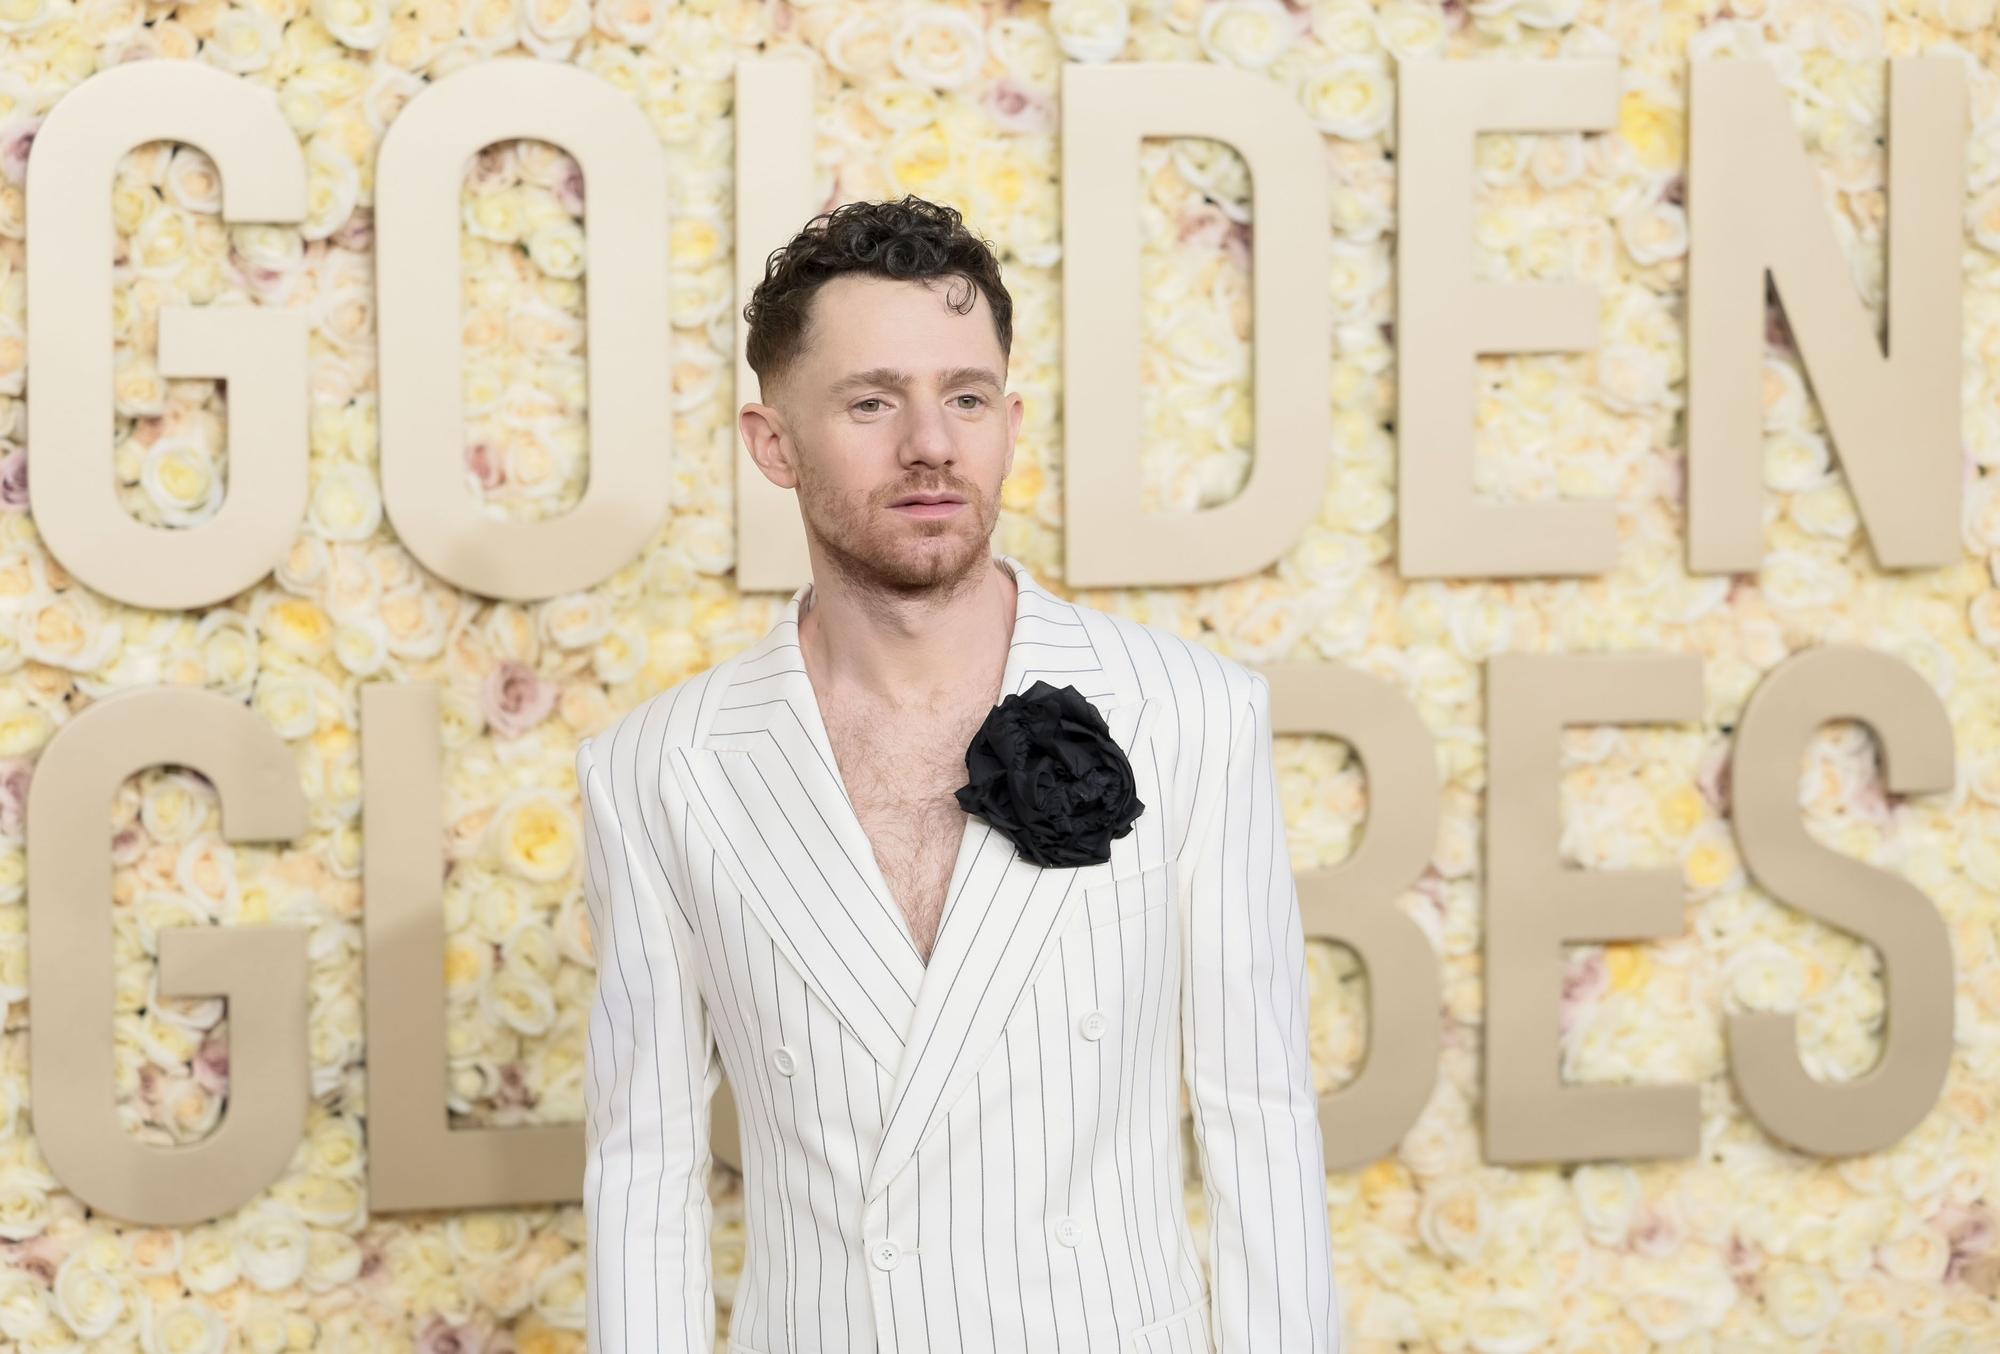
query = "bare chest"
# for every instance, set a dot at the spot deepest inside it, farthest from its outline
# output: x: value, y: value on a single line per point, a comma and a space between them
x: 902, y: 775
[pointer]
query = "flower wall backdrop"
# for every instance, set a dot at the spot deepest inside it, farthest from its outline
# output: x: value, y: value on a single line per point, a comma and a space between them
x: 1749, y: 1245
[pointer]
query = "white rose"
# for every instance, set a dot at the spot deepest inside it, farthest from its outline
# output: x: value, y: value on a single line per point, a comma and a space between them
x: 521, y: 1000
x: 271, y: 1244
x: 209, y: 1262
x: 1090, y: 30
x: 1350, y: 96
x: 1796, y: 460
x: 360, y: 24
x: 183, y: 1329
x: 1607, y: 1196
x: 1765, y: 976
x: 192, y: 180
x: 1654, y: 233
x: 1247, y: 33
x: 939, y: 46
x: 244, y: 39
x: 87, y: 1298
x: 346, y: 503
x: 858, y: 46
x: 1411, y: 30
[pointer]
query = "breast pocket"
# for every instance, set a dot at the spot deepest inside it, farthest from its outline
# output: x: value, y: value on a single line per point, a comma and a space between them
x: 1148, y: 888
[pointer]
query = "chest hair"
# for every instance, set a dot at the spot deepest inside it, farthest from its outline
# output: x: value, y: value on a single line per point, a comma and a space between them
x: 902, y: 772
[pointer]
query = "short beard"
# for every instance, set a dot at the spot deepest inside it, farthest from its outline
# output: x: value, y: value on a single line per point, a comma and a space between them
x: 840, y: 524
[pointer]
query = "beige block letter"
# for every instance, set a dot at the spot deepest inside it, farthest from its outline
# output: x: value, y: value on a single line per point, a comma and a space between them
x: 1755, y: 206
x: 260, y: 352
x: 415, y: 1158
x: 1444, y: 319
x: 418, y: 178
x: 1535, y: 906
x: 1106, y: 110
x: 1869, y: 1113
x: 260, y: 970
x: 1354, y: 902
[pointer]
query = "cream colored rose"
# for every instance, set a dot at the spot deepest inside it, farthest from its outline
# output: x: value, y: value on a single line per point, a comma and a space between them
x: 1796, y: 460
x: 271, y: 1245
x: 181, y: 480
x: 858, y: 46
x: 289, y: 703
x: 361, y: 645
x: 1455, y: 1220
x: 87, y: 1298
x: 557, y: 248
x: 575, y: 620
x: 1026, y: 49
x: 335, y: 1145
x: 69, y: 631
x: 361, y: 24
x: 208, y: 1261
x: 1247, y: 33
x: 1411, y: 29
x: 1090, y: 30
x: 1351, y: 96
x: 1794, y: 579
x: 1654, y: 233
x: 333, y: 187
x: 488, y: 1236
x: 535, y: 834
x: 346, y: 504
x: 939, y: 46
x: 333, y: 1259
x: 416, y: 621
x: 24, y: 1208
x: 137, y: 388
x: 559, y: 1294
x: 244, y: 39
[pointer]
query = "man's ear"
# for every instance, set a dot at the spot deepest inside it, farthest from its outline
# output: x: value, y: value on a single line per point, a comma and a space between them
x: 1016, y: 409
x: 763, y: 430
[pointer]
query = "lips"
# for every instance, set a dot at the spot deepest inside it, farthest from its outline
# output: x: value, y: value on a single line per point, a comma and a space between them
x: 910, y: 499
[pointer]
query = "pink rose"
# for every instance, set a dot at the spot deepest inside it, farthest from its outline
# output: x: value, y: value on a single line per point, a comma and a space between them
x: 516, y: 698
x: 483, y: 460
x: 442, y: 1337
x: 15, y: 773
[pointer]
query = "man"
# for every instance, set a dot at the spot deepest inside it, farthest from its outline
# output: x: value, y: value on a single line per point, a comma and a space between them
x: 958, y: 1071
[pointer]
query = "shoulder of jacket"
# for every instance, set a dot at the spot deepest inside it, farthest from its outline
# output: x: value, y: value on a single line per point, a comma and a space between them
x: 676, y: 717
x: 1168, y: 663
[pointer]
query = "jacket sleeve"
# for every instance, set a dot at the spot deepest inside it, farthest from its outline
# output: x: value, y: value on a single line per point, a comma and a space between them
x: 650, y: 1073
x: 1243, y: 1012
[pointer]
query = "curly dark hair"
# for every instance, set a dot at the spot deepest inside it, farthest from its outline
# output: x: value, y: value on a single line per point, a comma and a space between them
x: 912, y: 239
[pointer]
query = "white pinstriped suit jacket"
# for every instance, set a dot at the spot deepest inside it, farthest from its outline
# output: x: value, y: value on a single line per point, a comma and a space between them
x: 983, y: 1153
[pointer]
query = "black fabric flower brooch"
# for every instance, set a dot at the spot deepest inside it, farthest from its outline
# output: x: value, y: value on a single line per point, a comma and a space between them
x: 1045, y: 771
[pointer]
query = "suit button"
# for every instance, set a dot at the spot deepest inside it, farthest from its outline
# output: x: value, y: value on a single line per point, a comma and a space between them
x: 1069, y: 1231
x: 1092, y: 1025
x: 781, y: 1058
x: 884, y: 1254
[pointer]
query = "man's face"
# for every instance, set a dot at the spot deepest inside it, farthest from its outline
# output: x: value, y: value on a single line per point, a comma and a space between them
x: 896, y: 394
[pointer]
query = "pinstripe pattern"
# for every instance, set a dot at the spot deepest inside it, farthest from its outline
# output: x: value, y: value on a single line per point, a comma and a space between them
x: 1005, y: 1120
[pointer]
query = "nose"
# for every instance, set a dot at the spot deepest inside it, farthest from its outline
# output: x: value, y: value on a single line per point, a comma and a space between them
x: 929, y: 435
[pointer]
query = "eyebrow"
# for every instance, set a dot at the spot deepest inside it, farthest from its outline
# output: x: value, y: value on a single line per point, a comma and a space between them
x: 902, y: 380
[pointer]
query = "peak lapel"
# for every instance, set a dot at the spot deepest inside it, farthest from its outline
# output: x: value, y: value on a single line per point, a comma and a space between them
x: 767, y: 792
x: 1003, y: 913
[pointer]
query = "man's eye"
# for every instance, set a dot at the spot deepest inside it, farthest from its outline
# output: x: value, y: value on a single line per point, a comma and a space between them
x: 975, y: 398
x: 870, y: 400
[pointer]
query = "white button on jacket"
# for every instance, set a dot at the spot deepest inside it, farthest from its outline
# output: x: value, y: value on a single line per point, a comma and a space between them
x: 899, y: 1116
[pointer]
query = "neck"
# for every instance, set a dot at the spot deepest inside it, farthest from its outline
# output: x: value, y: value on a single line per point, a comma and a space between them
x: 908, y: 652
